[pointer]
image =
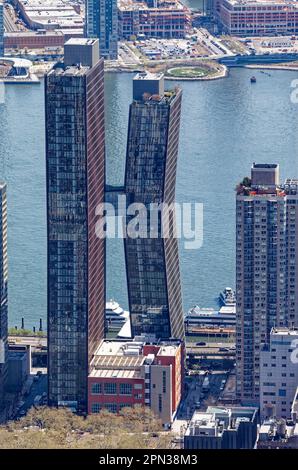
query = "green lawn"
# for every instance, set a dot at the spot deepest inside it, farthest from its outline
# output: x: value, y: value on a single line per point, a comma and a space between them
x: 189, y: 72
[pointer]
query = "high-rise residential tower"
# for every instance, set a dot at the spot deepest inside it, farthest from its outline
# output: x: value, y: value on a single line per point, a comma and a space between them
x: 102, y: 23
x: 1, y: 29
x: 3, y: 293
x: 266, y: 268
x: 152, y: 262
x: 75, y: 157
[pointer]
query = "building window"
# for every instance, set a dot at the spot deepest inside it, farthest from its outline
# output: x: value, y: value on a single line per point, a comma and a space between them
x: 125, y: 389
x: 164, y: 382
x: 95, y: 408
x: 138, y: 386
x: 111, y: 407
x: 160, y: 403
x: 110, y: 388
x: 96, y: 389
x: 124, y: 405
x: 282, y: 392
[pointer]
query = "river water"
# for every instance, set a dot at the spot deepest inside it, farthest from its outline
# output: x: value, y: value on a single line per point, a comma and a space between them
x: 226, y: 125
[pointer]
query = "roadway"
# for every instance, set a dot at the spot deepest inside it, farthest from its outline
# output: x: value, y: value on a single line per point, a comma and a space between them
x: 34, y: 341
x: 194, y: 398
x: 39, y: 386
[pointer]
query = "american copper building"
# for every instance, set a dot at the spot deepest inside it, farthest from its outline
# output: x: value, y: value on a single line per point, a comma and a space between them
x: 152, y: 261
x: 75, y: 151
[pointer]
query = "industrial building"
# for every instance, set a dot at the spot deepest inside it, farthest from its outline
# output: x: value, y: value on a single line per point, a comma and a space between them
x: 137, y: 372
x: 51, y: 15
x: 257, y: 17
x: 35, y: 39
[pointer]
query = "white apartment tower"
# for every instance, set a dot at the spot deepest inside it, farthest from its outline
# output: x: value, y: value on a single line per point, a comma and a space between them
x: 279, y: 373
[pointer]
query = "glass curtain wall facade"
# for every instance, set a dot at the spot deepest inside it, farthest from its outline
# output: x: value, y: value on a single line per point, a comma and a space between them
x: 102, y: 23
x: 76, y: 256
x: 3, y: 293
x: 152, y: 263
x: 1, y: 29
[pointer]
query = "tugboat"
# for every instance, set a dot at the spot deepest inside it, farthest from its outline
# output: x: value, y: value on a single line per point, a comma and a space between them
x: 253, y: 79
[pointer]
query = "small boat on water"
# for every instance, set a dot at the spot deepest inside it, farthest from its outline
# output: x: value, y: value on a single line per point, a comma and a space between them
x: 253, y: 79
x: 227, y: 297
x: 115, y: 315
x: 265, y: 73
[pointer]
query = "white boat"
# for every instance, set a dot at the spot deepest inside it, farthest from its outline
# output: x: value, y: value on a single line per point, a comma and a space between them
x: 208, y: 317
x: 15, y: 70
x: 227, y: 297
x: 115, y: 315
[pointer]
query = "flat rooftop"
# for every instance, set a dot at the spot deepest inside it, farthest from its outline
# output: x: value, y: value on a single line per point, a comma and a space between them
x: 283, y: 332
x: 148, y: 76
x: 123, y: 359
x: 244, y: 3
x: 171, y: 5
x: 60, y: 12
x: 74, y: 70
x: 81, y: 42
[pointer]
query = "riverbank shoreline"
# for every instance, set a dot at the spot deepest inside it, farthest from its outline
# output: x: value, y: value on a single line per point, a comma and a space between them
x: 290, y: 68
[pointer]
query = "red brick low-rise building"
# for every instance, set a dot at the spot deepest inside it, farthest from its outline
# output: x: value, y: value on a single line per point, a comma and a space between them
x: 124, y: 374
x: 34, y: 39
x: 167, y: 19
x: 257, y: 17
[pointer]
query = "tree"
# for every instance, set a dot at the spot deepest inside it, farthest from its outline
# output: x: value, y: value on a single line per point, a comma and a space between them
x: 51, y: 428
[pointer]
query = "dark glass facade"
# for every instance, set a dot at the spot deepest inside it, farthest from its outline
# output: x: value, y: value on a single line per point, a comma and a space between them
x: 102, y: 23
x: 152, y: 263
x: 3, y: 293
x: 75, y: 155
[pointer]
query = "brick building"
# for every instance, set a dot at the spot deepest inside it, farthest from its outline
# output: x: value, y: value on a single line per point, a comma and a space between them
x: 125, y: 374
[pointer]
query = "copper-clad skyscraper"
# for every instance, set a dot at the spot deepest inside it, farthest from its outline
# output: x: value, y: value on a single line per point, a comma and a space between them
x: 75, y: 152
x: 3, y: 293
x: 152, y: 263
